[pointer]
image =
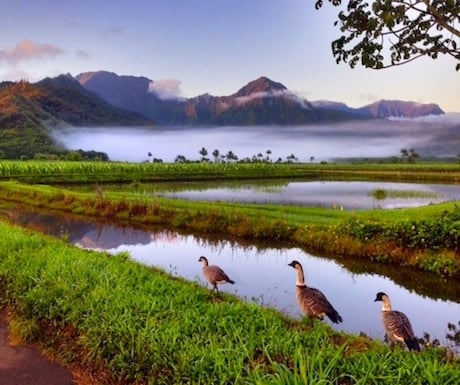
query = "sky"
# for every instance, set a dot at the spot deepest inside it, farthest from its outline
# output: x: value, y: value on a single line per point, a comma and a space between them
x: 192, y: 47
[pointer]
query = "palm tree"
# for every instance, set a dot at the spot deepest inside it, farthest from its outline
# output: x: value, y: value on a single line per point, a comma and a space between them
x: 268, y: 152
x: 216, y: 155
x: 231, y: 156
x: 180, y: 159
x: 404, y: 153
x: 410, y: 154
x: 292, y: 158
x: 204, y: 154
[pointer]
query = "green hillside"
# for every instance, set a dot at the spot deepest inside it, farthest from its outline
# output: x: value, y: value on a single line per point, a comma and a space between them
x: 29, y: 111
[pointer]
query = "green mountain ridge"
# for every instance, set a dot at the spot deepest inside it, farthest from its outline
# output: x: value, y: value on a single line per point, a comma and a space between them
x: 29, y: 111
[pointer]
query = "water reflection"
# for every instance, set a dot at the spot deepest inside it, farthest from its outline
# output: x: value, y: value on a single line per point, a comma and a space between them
x: 262, y: 275
x: 339, y: 194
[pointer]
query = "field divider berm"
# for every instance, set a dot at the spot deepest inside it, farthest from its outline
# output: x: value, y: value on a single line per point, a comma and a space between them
x: 426, y: 238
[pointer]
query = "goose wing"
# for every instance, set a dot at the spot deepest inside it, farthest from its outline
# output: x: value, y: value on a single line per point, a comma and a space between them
x: 315, y: 304
x: 397, y: 325
x: 216, y: 274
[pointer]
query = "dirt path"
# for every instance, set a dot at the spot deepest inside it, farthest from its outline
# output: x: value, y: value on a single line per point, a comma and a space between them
x: 25, y: 365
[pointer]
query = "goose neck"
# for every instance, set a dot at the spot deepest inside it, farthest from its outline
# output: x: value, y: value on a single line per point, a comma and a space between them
x: 300, y: 276
x: 386, y: 303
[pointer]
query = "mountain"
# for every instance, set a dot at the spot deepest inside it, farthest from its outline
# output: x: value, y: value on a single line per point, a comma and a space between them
x: 262, y: 84
x: 28, y: 111
x: 259, y: 102
x: 400, y: 109
x: 133, y: 93
x: 22, y: 122
x: 65, y: 99
x: 385, y: 109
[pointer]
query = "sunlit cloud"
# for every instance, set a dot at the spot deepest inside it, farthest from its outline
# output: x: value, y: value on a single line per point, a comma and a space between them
x: 29, y: 50
x: 166, y: 89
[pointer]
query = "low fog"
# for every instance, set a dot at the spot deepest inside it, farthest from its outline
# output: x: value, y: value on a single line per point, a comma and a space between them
x: 433, y: 136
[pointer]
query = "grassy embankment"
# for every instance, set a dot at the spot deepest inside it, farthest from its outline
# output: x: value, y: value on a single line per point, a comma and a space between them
x: 123, y: 322
x: 59, y: 172
x: 426, y: 238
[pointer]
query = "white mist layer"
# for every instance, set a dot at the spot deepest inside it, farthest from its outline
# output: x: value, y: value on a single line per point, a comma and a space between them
x: 377, y: 138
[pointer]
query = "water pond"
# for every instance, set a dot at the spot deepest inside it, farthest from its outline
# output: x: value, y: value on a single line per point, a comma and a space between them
x: 331, y: 194
x: 262, y: 273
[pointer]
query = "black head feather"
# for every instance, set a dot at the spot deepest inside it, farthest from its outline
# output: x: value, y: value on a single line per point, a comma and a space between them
x: 379, y: 296
x: 294, y: 263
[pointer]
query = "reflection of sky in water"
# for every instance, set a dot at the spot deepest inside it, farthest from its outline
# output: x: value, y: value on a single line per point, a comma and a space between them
x: 349, y: 195
x: 264, y: 276
x: 260, y: 274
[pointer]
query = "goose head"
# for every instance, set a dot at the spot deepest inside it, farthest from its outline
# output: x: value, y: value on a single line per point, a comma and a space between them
x: 203, y: 260
x: 380, y: 296
x: 295, y: 264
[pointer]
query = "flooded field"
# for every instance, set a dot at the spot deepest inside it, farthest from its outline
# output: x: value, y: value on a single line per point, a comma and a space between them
x: 344, y: 195
x: 262, y: 273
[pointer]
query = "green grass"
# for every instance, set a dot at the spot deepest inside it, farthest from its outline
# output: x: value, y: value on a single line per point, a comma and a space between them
x: 423, y: 237
x: 60, y: 172
x: 382, y: 194
x: 124, y: 321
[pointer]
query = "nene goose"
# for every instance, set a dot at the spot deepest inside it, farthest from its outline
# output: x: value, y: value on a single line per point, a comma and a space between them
x: 396, y: 324
x: 214, y: 274
x: 312, y: 301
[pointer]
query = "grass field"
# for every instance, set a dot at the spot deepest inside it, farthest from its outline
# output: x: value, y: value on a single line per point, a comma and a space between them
x: 59, y: 172
x: 125, y: 323
x: 424, y: 237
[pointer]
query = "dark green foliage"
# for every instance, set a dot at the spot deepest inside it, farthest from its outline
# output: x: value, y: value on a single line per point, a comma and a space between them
x: 28, y: 141
x: 434, y: 234
x: 410, y: 29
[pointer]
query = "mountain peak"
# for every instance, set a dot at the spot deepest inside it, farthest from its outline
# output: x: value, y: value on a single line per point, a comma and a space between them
x: 398, y: 108
x: 262, y: 84
x: 64, y: 80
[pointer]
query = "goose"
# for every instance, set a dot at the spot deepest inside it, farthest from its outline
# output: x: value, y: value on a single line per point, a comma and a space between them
x: 397, y: 325
x: 312, y: 301
x: 214, y: 274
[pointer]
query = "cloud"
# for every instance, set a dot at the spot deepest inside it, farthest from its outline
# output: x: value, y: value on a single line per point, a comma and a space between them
x: 450, y: 118
x: 29, y: 50
x: 166, y: 89
x: 267, y: 94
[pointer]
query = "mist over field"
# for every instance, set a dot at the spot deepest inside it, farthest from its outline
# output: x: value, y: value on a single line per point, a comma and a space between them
x: 430, y: 136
